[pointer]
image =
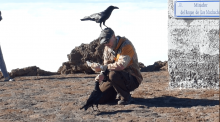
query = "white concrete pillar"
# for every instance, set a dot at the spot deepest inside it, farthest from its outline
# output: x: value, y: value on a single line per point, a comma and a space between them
x: 193, y: 51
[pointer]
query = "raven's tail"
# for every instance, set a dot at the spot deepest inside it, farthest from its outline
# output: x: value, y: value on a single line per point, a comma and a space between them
x: 87, y: 18
x: 83, y: 19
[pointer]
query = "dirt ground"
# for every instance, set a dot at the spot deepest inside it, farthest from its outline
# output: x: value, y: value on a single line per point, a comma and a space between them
x: 58, y: 98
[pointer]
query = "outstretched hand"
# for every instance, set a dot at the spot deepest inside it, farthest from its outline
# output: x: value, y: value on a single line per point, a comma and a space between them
x: 96, y: 67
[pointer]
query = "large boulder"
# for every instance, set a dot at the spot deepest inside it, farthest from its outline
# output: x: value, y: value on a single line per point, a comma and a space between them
x: 77, y: 58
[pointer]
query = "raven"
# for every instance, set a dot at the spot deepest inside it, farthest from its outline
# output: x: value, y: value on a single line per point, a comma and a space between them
x: 0, y: 16
x: 93, y: 98
x: 101, y: 17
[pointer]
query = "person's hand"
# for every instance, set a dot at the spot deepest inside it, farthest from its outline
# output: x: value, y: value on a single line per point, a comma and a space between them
x: 96, y: 67
x: 100, y: 77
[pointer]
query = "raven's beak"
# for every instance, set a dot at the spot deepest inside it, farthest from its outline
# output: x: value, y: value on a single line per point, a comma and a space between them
x: 116, y: 7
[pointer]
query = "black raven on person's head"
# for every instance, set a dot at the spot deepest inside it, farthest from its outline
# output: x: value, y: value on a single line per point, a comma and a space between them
x: 0, y: 16
x: 102, y: 16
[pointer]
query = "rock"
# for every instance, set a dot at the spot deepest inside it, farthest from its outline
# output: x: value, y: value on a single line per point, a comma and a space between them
x: 165, y: 67
x: 1, y: 74
x: 141, y: 65
x: 30, y: 71
x: 157, y: 66
x: 77, y: 58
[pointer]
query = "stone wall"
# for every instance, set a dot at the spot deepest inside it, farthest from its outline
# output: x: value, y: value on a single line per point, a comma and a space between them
x: 193, y: 55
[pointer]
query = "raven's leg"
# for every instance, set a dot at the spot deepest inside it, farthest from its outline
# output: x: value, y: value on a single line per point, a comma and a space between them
x: 97, y: 108
x: 104, y: 24
x: 93, y: 108
x: 82, y: 107
x: 101, y: 25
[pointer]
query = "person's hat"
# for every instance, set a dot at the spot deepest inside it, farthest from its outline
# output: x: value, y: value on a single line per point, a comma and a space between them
x: 106, y: 35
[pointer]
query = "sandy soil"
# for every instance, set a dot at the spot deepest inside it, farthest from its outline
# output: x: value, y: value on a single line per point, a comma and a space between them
x: 58, y: 99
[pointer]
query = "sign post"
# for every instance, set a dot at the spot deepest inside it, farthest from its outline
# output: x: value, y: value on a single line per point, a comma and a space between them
x: 196, y: 9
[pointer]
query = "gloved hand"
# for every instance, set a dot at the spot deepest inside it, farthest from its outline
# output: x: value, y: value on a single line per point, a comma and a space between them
x: 96, y: 67
x: 100, y: 77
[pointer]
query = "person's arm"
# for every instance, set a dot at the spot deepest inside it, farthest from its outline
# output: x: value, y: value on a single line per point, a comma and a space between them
x: 98, y: 67
x: 122, y: 60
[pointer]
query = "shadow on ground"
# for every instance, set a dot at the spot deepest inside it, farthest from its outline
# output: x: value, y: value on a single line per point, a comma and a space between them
x: 170, y: 101
x: 166, y: 101
x: 115, y: 112
x: 62, y: 78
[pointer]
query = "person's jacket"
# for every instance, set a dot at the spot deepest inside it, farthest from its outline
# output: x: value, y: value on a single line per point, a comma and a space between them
x: 123, y: 57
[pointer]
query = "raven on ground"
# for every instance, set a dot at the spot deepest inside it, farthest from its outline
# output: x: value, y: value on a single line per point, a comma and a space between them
x: 93, y: 98
x: 101, y: 17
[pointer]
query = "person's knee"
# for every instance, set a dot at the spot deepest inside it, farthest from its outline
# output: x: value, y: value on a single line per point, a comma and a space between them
x: 114, y: 76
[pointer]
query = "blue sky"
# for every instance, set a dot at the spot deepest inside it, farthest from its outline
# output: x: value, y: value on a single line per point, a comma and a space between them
x: 42, y: 33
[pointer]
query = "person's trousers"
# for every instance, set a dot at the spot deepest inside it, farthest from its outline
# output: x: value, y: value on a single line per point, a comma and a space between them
x: 2, y: 65
x: 120, y: 82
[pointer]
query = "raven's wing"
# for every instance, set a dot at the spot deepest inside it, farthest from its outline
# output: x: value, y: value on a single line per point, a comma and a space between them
x: 104, y: 16
x: 97, y: 16
x: 94, y: 17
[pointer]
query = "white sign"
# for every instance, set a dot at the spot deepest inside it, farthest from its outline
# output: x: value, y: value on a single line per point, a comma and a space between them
x: 196, y: 9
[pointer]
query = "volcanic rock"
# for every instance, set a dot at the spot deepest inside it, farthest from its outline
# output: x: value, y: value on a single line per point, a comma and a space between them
x: 77, y: 58
x: 157, y: 66
x: 30, y: 71
x: 165, y: 67
x: 141, y: 65
x: 1, y: 74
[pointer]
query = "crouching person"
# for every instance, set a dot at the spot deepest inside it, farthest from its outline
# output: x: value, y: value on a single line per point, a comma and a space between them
x: 121, y: 65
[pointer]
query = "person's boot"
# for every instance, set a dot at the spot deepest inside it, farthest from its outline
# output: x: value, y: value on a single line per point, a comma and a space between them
x: 125, y: 102
x: 118, y: 96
